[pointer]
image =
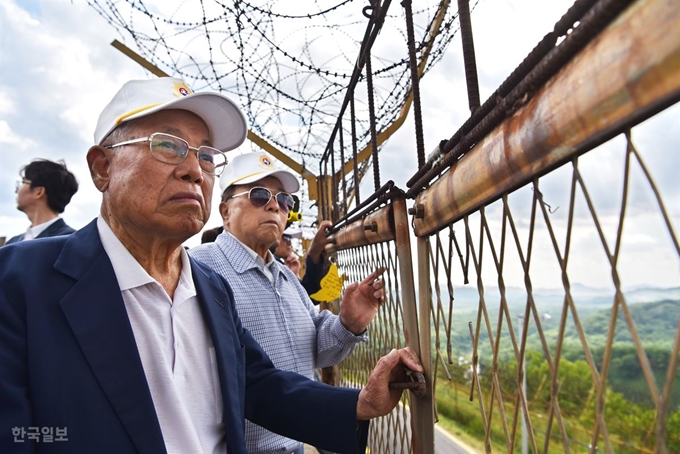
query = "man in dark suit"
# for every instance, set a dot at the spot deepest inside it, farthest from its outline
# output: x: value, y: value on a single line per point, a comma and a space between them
x: 43, y: 192
x: 113, y: 340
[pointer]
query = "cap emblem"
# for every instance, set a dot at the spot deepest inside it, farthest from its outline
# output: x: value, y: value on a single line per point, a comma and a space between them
x: 180, y: 89
x: 265, y: 161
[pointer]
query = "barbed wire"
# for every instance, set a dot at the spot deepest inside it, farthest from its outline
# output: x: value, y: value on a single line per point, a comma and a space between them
x: 287, y: 63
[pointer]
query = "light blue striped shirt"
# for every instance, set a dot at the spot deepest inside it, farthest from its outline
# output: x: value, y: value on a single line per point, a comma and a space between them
x: 281, y: 318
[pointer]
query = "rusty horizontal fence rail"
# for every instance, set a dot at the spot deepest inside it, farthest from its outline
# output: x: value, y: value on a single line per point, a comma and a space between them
x: 627, y: 74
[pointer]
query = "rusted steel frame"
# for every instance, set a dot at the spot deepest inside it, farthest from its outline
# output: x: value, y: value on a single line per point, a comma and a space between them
x: 520, y: 356
x: 334, y: 187
x: 544, y: 46
x: 480, y: 399
x: 435, y: 312
x: 438, y: 314
x: 481, y: 313
x: 342, y: 176
x: 354, y: 150
x: 564, y: 120
x: 371, y: 117
x: 424, y: 333
x: 620, y: 301
x: 554, y: 363
x: 322, y: 190
x: 415, y: 82
x: 663, y: 408
x: 372, y: 30
x: 376, y: 227
x: 447, y: 264
x: 501, y: 106
x: 613, y: 259
x: 554, y: 387
x: 449, y: 346
x: 495, y: 346
x: 468, y: 55
x: 365, y: 206
x: 600, y: 423
x: 463, y: 264
x: 403, y: 113
x: 422, y: 415
x: 438, y: 311
x: 642, y: 355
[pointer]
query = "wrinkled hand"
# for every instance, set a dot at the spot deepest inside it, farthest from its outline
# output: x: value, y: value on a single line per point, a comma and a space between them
x: 360, y: 302
x: 293, y: 264
x: 377, y: 399
x: 319, y: 242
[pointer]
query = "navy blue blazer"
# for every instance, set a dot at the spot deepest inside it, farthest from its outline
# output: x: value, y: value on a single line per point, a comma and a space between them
x: 58, y: 227
x: 68, y: 358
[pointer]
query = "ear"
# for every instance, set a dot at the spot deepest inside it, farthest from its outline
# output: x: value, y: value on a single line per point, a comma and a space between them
x: 39, y: 191
x: 99, y: 163
x: 224, y: 211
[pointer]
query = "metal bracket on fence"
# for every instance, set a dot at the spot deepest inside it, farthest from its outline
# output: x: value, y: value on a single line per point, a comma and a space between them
x: 372, y: 226
x: 417, y: 210
x: 417, y: 385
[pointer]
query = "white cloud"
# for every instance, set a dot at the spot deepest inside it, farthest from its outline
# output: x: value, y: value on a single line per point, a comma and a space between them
x: 7, y: 105
x: 7, y: 136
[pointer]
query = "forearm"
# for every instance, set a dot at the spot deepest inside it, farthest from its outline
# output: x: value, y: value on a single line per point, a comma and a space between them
x: 296, y: 407
x: 334, y: 341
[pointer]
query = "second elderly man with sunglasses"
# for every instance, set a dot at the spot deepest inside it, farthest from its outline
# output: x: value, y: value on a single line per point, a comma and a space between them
x: 256, y: 199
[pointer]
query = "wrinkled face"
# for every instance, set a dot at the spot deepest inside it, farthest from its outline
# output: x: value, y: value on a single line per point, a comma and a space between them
x: 256, y: 227
x: 141, y: 192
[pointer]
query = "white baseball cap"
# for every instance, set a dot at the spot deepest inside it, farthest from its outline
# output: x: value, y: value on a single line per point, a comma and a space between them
x: 138, y: 98
x: 251, y: 167
x: 293, y: 232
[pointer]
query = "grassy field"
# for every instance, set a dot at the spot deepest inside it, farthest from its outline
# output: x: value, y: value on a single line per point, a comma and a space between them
x: 461, y: 418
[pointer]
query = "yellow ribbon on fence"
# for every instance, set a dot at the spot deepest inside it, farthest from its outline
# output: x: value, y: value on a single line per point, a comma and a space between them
x: 331, y: 285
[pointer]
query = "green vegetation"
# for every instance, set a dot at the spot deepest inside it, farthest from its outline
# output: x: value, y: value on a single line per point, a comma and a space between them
x: 631, y: 427
x: 629, y: 414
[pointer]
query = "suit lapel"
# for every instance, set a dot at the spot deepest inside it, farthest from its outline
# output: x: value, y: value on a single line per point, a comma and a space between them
x: 96, y: 313
x: 216, y: 303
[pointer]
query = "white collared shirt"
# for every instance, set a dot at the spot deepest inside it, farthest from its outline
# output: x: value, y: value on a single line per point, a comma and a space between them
x: 176, y: 350
x: 36, y: 230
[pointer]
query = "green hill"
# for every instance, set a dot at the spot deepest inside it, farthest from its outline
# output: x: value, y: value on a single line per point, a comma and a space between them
x: 656, y: 324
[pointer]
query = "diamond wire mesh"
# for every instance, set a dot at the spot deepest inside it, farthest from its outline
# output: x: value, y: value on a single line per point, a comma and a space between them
x: 568, y: 405
x: 392, y: 433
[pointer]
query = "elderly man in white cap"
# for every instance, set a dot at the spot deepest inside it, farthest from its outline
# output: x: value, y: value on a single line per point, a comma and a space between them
x: 112, y: 340
x: 271, y: 303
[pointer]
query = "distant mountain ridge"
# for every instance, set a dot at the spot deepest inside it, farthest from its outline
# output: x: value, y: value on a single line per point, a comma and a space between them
x: 467, y: 297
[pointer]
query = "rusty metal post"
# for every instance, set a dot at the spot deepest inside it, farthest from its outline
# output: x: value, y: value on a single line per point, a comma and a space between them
x: 329, y: 375
x: 422, y: 414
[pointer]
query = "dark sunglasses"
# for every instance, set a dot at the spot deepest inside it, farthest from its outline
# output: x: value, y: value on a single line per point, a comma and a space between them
x: 260, y: 197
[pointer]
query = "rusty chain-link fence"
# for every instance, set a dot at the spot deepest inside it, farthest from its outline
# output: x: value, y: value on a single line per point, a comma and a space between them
x: 516, y: 272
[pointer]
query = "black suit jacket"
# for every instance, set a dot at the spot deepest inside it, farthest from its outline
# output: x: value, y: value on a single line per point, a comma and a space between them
x: 59, y: 227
